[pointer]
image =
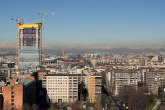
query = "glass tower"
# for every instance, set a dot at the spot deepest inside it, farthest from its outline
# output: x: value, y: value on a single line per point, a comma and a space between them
x: 29, y: 45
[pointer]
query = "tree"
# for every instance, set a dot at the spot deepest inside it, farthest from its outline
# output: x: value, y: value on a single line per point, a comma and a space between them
x: 82, y: 91
x: 125, y: 93
x: 135, y: 99
x: 98, y: 103
x: 138, y: 101
x: 76, y: 106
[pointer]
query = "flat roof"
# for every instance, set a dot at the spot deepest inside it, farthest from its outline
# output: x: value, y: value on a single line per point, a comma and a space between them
x: 61, y: 74
x: 23, y: 26
x: 26, y: 82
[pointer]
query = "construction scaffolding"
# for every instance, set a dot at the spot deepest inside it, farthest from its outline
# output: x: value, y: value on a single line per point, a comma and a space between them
x: 29, y: 47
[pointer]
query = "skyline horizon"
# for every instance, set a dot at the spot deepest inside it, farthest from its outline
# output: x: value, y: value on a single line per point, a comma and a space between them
x: 6, y: 45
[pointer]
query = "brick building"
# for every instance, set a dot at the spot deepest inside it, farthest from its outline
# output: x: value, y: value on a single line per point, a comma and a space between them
x: 16, y: 93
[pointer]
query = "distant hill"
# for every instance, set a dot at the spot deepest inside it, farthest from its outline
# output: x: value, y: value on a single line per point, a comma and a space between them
x: 10, y: 51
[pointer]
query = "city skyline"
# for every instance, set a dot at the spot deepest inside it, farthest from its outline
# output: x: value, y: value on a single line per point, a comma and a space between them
x: 89, y: 23
x: 82, y: 55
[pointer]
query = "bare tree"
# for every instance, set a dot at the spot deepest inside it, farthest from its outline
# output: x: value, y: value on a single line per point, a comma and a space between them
x: 98, y: 103
x: 135, y: 99
x: 125, y: 93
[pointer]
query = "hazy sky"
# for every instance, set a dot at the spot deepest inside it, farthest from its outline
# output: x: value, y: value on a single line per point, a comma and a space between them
x: 89, y: 22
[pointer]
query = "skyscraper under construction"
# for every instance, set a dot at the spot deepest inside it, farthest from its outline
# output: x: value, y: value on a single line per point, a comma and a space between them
x: 29, y: 45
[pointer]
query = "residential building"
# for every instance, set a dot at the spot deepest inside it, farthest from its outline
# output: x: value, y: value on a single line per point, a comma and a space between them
x: 16, y: 93
x: 155, y: 79
x: 62, y: 87
x: 123, y: 77
x: 94, y: 87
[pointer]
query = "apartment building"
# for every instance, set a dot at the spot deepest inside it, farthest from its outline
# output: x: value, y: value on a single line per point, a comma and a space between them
x: 123, y: 77
x: 62, y: 87
x: 16, y: 93
x: 6, y: 69
x: 94, y: 87
x: 155, y: 79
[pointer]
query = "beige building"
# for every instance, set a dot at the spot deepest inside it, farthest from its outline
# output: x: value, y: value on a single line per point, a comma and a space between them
x: 62, y: 87
x: 94, y: 87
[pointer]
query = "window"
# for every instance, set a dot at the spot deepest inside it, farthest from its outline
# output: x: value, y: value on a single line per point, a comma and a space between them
x: 12, y: 100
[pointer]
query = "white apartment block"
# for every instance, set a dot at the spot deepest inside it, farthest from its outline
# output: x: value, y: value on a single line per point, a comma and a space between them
x: 155, y: 79
x: 120, y: 78
x: 62, y: 87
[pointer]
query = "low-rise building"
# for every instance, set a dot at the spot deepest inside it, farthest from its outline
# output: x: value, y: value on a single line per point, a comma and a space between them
x: 6, y: 69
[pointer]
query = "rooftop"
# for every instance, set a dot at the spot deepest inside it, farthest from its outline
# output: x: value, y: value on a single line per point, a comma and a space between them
x: 26, y: 82
x: 61, y: 74
x: 23, y: 26
x: 125, y: 71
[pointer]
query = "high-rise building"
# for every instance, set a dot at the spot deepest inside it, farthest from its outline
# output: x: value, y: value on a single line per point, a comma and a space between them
x: 29, y: 45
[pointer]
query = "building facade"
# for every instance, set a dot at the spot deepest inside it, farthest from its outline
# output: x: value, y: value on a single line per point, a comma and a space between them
x: 62, y: 87
x: 94, y: 87
x: 17, y: 93
x: 123, y: 77
x: 155, y: 79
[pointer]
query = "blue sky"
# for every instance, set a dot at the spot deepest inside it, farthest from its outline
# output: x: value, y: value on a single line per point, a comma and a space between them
x: 89, y: 22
